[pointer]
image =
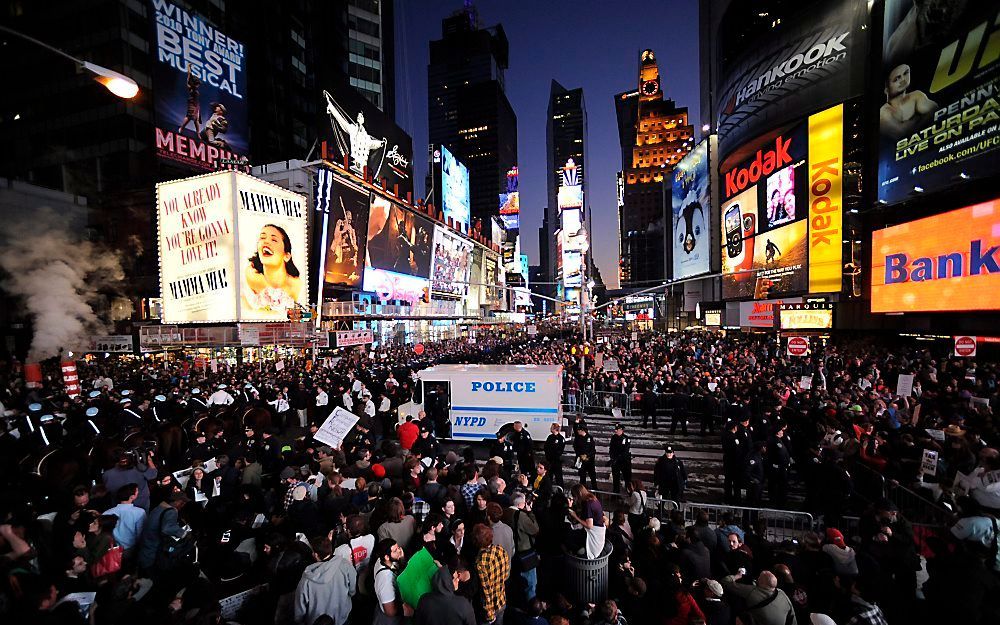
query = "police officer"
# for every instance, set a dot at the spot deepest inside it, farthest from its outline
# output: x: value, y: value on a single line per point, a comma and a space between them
x: 669, y: 475
x: 521, y: 438
x: 161, y: 409
x: 586, y: 452
x: 129, y: 418
x: 202, y: 449
x: 197, y: 402
x: 680, y: 403
x: 504, y: 449
x: 649, y: 405
x: 710, y: 408
x: 555, y: 445
x: 620, y: 450
x: 754, y: 474
x: 779, y: 460
x: 427, y: 444
x: 734, y: 453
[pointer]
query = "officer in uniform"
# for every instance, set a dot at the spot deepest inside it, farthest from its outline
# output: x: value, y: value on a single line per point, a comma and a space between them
x: 129, y: 417
x: 202, y: 449
x: 680, y: 404
x: 555, y: 445
x: 649, y: 405
x: 754, y: 474
x: 620, y: 451
x: 504, y: 448
x: 669, y: 475
x: 779, y: 460
x: 734, y: 453
x: 197, y: 402
x: 586, y: 452
x: 521, y: 438
x: 161, y: 410
x: 426, y: 444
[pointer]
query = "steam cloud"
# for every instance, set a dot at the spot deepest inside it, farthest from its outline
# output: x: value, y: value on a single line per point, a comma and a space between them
x: 60, y: 277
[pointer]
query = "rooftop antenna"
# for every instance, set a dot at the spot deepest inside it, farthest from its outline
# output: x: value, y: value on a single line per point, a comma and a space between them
x: 470, y: 10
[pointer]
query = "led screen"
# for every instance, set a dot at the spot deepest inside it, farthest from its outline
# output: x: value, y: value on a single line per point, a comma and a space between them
x: 455, y: 185
x: 941, y: 263
x: 691, y: 201
x: 451, y: 265
x: 398, y: 240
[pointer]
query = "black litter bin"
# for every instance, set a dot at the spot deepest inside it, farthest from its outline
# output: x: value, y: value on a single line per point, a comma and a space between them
x: 587, y: 579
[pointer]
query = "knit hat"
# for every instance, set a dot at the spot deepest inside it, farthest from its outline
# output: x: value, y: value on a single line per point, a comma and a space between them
x: 287, y: 472
x: 833, y: 535
x: 378, y: 470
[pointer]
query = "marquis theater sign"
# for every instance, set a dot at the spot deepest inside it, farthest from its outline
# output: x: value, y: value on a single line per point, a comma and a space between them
x: 948, y: 262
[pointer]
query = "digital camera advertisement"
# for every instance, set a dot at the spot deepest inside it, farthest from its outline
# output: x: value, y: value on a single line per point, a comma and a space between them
x: 200, y: 90
x: 940, y: 121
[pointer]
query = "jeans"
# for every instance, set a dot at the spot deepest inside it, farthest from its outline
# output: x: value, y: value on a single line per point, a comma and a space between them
x: 303, y: 415
x: 530, y: 582
x: 572, y: 401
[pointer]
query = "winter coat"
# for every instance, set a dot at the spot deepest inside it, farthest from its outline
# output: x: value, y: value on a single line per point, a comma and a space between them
x: 325, y: 588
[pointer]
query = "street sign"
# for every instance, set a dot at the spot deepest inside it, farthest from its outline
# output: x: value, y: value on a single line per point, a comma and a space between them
x: 965, y: 346
x: 798, y: 345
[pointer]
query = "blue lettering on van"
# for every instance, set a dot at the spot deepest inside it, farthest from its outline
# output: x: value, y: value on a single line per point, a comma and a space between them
x: 470, y: 422
x: 503, y: 387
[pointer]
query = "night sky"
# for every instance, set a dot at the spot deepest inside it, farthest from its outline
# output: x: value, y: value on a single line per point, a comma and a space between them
x: 592, y: 44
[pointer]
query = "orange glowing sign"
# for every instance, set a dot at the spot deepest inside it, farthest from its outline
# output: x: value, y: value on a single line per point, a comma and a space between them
x: 941, y: 263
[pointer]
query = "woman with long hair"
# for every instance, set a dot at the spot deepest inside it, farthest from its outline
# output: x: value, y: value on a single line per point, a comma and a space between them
x: 586, y: 511
x: 680, y: 608
x: 272, y: 279
x: 636, y: 500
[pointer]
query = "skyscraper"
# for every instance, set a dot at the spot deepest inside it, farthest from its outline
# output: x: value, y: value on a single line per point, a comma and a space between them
x: 654, y: 135
x: 467, y: 106
x: 565, y: 139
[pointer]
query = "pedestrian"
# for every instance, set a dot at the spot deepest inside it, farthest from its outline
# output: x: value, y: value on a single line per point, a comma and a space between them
x: 670, y: 475
x: 389, y: 607
x: 492, y: 571
x: 326, y: 587
x: 586, y: 453
x: 620, y: 451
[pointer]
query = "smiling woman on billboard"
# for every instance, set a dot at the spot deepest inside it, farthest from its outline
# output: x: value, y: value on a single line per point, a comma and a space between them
x: 273, y: 282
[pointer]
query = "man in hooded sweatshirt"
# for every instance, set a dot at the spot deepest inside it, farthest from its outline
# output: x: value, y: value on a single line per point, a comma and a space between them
x: 442, y: 606
x: 326, y: 587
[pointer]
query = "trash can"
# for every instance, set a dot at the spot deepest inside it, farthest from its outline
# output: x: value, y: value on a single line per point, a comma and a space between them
x: 587, y: 579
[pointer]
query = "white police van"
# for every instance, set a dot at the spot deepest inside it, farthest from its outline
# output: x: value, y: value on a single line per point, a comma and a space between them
x: 480, y: 399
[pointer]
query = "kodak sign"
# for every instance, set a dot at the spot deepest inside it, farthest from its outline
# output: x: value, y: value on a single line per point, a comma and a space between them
x: 766, y: 162
x: 826, y: 221
x: 947, y: 262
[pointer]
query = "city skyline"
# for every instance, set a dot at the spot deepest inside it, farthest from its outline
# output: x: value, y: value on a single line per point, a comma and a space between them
x: 537, y: 45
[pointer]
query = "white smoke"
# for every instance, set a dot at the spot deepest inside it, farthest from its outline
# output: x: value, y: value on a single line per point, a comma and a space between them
x: 60, y: 277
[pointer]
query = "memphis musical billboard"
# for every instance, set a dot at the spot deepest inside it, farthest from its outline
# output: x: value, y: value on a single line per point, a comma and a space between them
x: 948, y: 262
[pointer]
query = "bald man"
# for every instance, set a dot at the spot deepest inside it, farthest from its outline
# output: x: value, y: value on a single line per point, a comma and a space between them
x: 766, y: 603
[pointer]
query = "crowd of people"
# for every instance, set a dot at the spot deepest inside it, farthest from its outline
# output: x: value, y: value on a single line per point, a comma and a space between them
x: 165, y: 487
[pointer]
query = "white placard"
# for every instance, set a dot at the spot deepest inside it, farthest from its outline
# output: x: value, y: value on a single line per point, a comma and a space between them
x: 336, y: 427
x: 635, y: 336
x: 904, y: 386
x: 712, y: 386
x: 611, y: 365
x: 937, y: 435
x: 806, y: 382
x: 928, y: 464
x: 347, y: 338
x: 279, y: 366
x: 532, y: 330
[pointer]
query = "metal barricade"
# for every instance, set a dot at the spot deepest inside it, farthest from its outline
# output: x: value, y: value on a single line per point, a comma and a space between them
x: 597, y: 402
x: 656, y: 507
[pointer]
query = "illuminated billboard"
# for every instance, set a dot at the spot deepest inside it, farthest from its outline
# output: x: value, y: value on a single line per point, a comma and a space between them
x: 940, y: 70
x: 451, y: 264
x: 354, y: 130
x: 207, y: 273
x: 691, y: 202
x: 455, y: 190
x: 570, y: 194
x: 389, y: 285
x: 572, y: 268
x: 341, y: 228
x: 398, y: 240
x: 510, y: 210
x: 782, y: 214
x: 943, y: 263
x: 811, y: 59
x: 200, y: 90
x: 805, y: 316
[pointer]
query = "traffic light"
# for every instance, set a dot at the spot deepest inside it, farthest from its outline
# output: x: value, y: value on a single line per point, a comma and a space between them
x: 294, y: 314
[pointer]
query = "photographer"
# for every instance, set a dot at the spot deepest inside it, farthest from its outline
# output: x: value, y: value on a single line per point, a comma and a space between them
x: 525, y: 527
x: 134, y: 467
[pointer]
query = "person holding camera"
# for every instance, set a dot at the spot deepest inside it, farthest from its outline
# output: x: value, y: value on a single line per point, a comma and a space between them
x: 133, y: 467
x: 522, y: 521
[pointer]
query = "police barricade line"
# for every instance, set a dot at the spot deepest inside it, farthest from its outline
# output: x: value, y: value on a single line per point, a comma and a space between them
x: 598, y: 402
x: 923, y: 533
x: 915, y: 507
x: 781, y: 524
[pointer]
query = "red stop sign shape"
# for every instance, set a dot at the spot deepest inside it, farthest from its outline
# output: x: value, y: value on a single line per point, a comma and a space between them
x: 965, y: 346
x: 798, y: 345
x: 418, y: 349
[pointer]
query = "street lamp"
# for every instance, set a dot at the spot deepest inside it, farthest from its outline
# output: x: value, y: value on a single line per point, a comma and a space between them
x: 118, y: 84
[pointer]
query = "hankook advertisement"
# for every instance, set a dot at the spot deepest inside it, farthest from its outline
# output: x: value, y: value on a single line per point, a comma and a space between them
x: 813, y: 60
x: 940, y: 121
x: 200, y: 90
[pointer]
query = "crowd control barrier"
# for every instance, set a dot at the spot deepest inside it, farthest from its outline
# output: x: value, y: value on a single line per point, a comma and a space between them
x: 597, y: 402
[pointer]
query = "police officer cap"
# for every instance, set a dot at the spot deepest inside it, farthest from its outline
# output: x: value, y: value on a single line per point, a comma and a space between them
x: 200, y: 435
x: 668, y: 449
x: 619, y: 426
x: 94, y: 394
x: 125, y: 400
x: 222, y: 386
x: 35, y: 407
x: 248, y: 385
x: 126, y: 393
x: 160, y: 398
x: 195, y: 391
x: 46, y: 418
x: 92, y: 411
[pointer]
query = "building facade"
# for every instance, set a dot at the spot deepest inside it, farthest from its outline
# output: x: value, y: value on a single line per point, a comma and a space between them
x: 467, y: 106
x: 654, y: 135
x: 565, y: 140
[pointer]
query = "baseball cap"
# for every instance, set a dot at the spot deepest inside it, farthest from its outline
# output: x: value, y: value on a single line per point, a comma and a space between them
x: 93, y: 394
x: 714, y: 587
x: 668, y: 449
x: 125, y: 400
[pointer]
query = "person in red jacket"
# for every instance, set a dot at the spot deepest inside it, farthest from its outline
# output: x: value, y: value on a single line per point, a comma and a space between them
x: 408, y: 433
x: 683, y: 610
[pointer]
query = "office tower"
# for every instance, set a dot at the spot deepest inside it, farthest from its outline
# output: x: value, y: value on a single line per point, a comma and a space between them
x: 565, y: 140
